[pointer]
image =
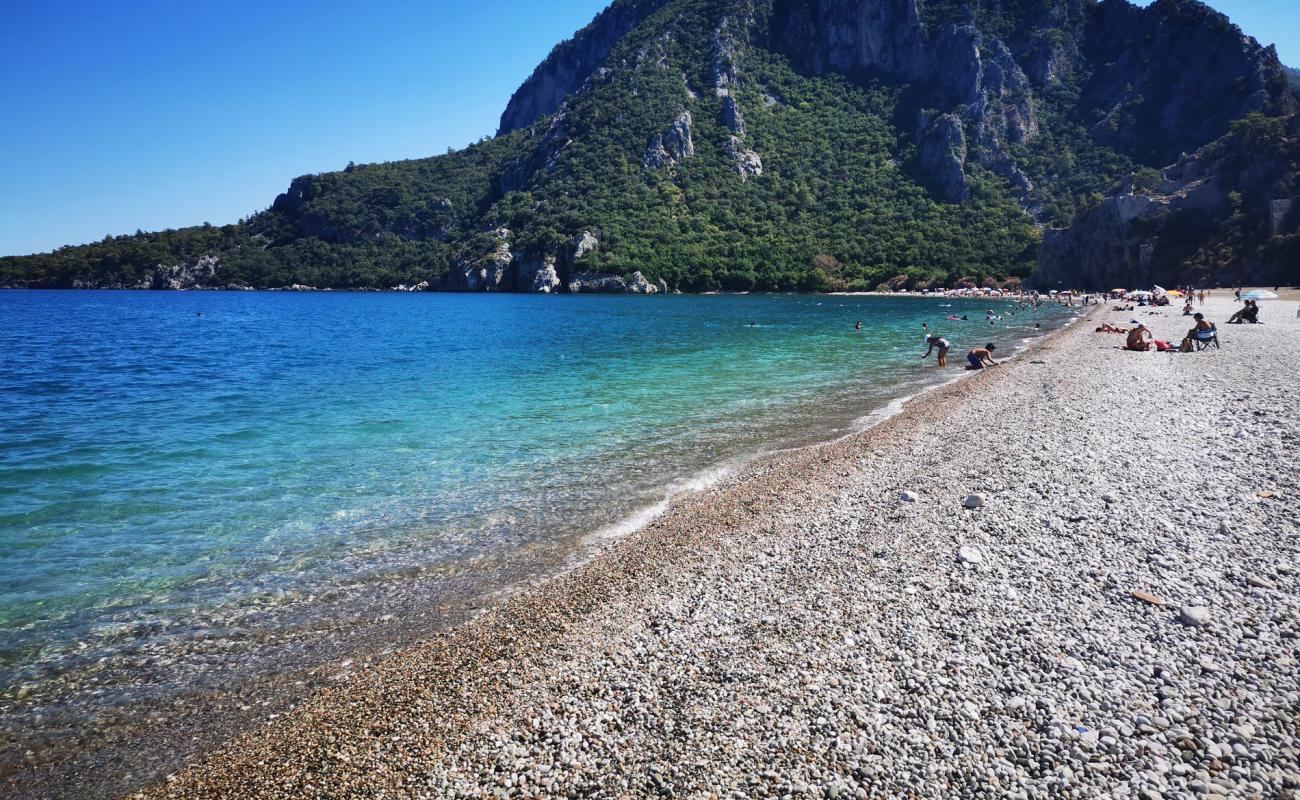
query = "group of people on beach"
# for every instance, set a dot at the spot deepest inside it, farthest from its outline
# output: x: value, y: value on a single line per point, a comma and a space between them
x: 975, y: 359
x: 1141, y: 339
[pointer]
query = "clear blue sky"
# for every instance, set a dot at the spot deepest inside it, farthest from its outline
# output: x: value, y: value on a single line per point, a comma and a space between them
x: 125, y: 114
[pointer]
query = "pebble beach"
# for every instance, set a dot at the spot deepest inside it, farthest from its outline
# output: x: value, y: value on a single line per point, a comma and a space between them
x: 1076, y: 574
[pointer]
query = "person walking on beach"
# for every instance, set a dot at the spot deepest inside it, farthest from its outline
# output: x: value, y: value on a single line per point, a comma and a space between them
x: 977, y: 357
x: 941, y: 344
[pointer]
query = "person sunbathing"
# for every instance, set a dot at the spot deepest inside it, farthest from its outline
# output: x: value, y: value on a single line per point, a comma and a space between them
x: 1106, y: 327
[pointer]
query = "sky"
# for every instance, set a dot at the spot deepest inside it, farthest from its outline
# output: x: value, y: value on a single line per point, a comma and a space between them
x: 144, y: 114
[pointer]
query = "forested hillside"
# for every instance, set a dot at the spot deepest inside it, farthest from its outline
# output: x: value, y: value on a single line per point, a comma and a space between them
x: 730, y: 144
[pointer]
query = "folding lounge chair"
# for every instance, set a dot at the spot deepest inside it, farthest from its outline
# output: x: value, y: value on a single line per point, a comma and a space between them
x: 1204, y: 339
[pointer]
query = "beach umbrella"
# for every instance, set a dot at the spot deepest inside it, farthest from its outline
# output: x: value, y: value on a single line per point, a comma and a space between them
x: 1259, y: 294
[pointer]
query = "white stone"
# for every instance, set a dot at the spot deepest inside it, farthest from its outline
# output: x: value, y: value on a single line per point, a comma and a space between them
x: 1195, y: 616
x: 969, y: 555
x: 909, y: 496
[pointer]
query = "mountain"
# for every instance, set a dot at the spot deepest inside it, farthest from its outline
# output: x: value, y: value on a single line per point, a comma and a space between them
x: 1293, y: 76
x: 749, y: 144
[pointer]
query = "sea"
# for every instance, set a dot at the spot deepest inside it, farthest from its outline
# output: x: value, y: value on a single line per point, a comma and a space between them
x: 203, y: 490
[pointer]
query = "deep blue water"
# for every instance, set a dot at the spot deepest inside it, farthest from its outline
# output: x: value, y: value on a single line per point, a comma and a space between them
x: 167, y: 457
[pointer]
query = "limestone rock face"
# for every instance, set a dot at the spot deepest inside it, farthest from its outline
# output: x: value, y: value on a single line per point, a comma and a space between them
x: 731, y: 116
x: 1167, y: 235
x: 747, y: 162
x: 572, y: 63
x: 595, y: 282
x: 584, y: 244
x: 183, y: 276
x: 486, y: 272
x: 673, y: 146
x: 588, y: 283
x: 943, y: 156
x: 1165, y: 79
x: 545, y: 279
x: 849, y: 35
x: 1172, y: 76
x: 637, y: 284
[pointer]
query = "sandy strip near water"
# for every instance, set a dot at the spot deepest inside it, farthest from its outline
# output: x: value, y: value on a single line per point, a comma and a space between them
x: 1119, y: 618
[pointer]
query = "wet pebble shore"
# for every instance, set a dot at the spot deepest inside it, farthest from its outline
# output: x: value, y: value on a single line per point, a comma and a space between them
x: 1074, y: 575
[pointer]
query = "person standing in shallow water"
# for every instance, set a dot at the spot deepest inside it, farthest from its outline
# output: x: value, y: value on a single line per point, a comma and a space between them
x: 941, y: 344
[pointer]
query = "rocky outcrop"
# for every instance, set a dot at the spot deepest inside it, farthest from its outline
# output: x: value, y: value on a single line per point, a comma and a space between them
x: 572, y: 62
x: 1223, y: 215
x: 943, y: 156
x: 966, y: 71
x: 545, y: 280
x: 184, y: 276
x: 483, y: 272
x: 1165, y: 79
x: 673, y: 146
x: 585, y: 243
x: 746, y: 162
x: 635, y: 283
x: 852, y: 35
x: 731, y: 116
x: 1170, y: 77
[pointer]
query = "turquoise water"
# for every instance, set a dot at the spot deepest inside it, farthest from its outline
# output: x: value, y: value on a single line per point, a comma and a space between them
x: 170, y: 457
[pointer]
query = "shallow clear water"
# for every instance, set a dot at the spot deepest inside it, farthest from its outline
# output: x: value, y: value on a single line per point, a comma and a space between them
x: 166, y: 456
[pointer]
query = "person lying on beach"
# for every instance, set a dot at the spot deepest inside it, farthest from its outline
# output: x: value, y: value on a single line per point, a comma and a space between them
x: 1106, y: 327
x: 941, y: 344
x: 1138, y: 339
x: 977, y: 357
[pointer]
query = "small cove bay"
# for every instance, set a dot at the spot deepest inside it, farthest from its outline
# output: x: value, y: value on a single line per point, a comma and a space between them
x: 202, y: 486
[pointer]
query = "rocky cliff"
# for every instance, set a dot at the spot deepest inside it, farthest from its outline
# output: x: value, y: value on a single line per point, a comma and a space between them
x: 1226, y: 214
x: 1156, y: 81
x: 572, y: 62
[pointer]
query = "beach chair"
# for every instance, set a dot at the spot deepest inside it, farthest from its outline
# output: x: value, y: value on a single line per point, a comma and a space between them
x: 1204, y: 339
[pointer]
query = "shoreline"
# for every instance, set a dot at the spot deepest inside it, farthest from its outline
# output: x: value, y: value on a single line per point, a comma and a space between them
x: 235, y: 708
x: 452, y: 664
x: 1094, y: 626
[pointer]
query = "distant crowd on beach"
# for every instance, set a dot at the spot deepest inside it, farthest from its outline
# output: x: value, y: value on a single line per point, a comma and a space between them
x: 1202, y: 334
x: 1140, y: 338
